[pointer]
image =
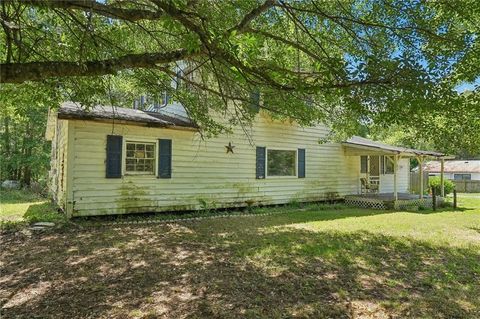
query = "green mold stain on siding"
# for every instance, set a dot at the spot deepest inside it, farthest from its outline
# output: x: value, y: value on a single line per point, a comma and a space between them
x: 134, y: 198
x: 243, y: 188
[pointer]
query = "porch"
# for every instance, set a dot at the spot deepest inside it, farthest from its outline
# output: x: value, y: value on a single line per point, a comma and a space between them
x: 379, y: 165
x: 390, y: 201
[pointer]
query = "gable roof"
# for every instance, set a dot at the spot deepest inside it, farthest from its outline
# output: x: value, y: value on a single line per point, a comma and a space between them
x: 463, y: 166
x: 71, y: 110
x: 365, y: 143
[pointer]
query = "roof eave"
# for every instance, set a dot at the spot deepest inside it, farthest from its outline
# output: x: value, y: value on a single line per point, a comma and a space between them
x: 126, y: 122
x: 388, y: 151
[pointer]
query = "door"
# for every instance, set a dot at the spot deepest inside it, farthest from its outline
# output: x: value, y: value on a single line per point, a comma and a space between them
x: 375, y: 166
x: 374, y: 176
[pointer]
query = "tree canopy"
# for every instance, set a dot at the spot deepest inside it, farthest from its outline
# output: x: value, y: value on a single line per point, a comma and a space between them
x: 345, y: 63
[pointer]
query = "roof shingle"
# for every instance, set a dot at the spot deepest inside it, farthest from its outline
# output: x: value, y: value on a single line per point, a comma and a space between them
x: 71, y: 110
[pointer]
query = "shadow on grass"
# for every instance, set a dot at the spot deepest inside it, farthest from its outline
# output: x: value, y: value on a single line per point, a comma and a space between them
x: 477, y: 229
x: 322, y: 212
x: 319, y: 212
x: 234, y: 270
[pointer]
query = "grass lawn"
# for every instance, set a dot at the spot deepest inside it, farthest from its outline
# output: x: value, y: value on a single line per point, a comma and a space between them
x: 307, y: 263
x: 18, y: 207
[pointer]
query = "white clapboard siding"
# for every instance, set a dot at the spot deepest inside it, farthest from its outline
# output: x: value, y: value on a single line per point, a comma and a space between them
x: 203, y: 174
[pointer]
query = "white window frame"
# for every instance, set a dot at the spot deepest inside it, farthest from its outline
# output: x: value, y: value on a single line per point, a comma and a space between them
x: 281, y: 149
x: 124, y: 156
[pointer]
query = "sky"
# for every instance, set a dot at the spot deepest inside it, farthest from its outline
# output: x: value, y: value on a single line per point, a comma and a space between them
x: 468, y: 86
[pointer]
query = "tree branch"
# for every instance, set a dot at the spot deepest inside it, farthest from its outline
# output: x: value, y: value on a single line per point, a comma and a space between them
x: 35, y: 71
x: 99, y: 8
x: 252, y: 15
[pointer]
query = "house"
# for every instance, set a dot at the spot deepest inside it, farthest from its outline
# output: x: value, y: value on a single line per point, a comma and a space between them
x: 455, y: 170
x: 114, y: 160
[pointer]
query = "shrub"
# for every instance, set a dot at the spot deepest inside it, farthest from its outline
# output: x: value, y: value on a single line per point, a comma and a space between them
x: 434, y: 182
x: 43, y: 212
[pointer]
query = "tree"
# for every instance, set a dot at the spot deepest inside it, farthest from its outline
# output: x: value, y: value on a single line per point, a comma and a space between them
x: 23, y: 150
x: 343, y: 63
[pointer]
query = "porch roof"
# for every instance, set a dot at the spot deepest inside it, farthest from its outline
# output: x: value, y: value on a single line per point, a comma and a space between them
x: 357, y: 145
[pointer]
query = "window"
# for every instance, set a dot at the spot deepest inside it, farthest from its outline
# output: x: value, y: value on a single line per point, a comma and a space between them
x: 462, y: 177
x: 363, y: 164
x: 281, y: 162
x: 388, y: 165
x: 140, y: 158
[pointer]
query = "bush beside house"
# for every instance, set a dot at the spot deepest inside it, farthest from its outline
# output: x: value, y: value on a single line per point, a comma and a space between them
x: 434, y: 182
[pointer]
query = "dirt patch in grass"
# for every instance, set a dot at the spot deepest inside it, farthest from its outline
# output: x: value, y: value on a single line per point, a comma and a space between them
x: 258, y: 267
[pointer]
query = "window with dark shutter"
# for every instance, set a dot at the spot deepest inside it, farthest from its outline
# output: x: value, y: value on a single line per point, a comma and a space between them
x: 301, y: 163
x: 114, y: 156
x: 363, y: 164
x: 164, y: 158
x: 260, y: 167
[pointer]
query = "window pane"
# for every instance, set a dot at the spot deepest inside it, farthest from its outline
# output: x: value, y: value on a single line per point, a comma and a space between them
x: 140, y: 157
x: 149, y: 165
x: 462, y: 177
x: 281, y: 163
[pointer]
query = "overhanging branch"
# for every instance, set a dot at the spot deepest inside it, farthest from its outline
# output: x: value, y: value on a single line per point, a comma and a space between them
x: 109, y: 11
x: 35, y: 71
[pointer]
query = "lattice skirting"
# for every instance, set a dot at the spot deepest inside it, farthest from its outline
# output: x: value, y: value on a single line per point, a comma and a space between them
x: 363, y: 202
x: 408, y: 204
x: 415, y: 203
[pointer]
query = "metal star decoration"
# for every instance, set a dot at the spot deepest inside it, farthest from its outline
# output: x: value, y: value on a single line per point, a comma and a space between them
x: 229, y: 147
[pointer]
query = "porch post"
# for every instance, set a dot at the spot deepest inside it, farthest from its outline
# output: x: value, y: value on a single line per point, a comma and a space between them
x: 442, y: 184
x: 420, y: 166
x: 395, y: 189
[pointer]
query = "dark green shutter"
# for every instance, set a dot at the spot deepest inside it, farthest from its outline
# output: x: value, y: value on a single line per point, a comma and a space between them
x: 164, y: 158
x: 260, y: 162
x: 301, y: 163
x: 363, y: 164
x: 114, y: 156
x: 382, y: 164
x: 255, y: 101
